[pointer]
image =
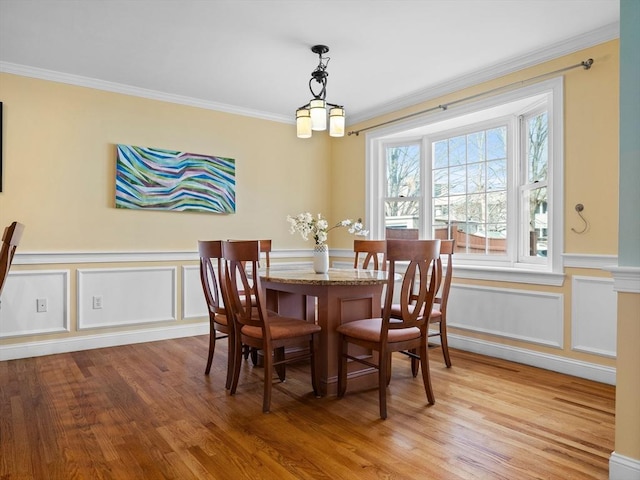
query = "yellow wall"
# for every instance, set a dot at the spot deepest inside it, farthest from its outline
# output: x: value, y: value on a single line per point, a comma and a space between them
x: 59, y: 167
x: 628, y: 377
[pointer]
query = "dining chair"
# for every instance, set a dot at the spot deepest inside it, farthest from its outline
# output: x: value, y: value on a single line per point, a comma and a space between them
x: 10, y: 240
x: 265, y: 248
x: 257, y: 327
x: 372, y: 252
x: 438, y: 313
x: 210, y: 268
x: 386, y: 335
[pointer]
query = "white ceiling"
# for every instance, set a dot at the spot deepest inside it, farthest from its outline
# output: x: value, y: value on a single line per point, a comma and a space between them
x: 254, y: 57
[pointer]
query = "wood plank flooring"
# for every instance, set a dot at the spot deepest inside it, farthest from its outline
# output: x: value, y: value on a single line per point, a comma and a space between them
x: 147, y: 411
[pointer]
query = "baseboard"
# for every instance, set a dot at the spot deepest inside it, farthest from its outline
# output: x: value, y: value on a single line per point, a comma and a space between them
x: 101, y: 340
x: 590, y: 371
x: 554, y: 363
x: 623, y: 468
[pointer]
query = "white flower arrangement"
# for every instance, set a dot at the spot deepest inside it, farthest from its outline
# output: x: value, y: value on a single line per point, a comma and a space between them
x: 318, y: 228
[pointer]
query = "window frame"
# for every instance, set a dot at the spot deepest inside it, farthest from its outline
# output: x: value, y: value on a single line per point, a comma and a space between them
x: 515, y: 270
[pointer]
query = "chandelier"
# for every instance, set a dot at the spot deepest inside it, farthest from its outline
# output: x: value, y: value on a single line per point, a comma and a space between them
x: 313, y: 115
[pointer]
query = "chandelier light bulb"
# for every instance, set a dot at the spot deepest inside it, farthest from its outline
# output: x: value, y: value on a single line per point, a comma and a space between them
x: 303, y: 123
x: 336, y: 122
x: 318, y: 115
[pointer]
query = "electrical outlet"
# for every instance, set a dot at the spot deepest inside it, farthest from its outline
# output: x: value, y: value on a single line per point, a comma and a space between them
x: 41, y: 305
x: 97, y: 302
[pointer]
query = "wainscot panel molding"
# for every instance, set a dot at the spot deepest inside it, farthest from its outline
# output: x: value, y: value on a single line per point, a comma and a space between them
x: 523, y: 315
x: 568, y: 366
x: 128, y: 296
x: 626, y: 279
x: 19, y: 315
x: 101, y: 340
x: 594, y: 316
x: 585, y: 260
x: 46, y: 258
x: 194, y: 304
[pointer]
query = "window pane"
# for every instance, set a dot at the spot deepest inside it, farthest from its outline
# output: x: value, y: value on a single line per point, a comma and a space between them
x: 441, y: 182
x: 476, y: 208
x: 537, y: 148
x: 457, y: 180
x: 497, y: 207
x: 403, y: 171
x: 402, y: 214
x: 497, y: 238
x: 475, y: 178
x: 497, y: 175
x: 469, y: 198
x: 475, y: 147
x: 497, y: 143
x: 458, y: 208
x: 440, y: 154
x: 537, y: 199
x: 457, y: 151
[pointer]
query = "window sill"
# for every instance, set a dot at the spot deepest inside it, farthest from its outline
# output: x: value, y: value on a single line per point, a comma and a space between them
x: 344, y: 259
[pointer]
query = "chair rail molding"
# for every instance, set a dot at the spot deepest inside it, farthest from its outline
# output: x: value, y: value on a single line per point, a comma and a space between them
x: 625, y: 279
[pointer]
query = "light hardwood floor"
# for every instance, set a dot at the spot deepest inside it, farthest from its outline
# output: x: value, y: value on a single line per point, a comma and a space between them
x: 148, y: 411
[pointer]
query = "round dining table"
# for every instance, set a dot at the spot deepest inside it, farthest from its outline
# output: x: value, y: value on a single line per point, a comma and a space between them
x: 328, y: 299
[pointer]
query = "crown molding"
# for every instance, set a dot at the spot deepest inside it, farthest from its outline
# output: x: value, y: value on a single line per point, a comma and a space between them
x: 580, y: 42
x: 80, y: 81
x: 589, y: 39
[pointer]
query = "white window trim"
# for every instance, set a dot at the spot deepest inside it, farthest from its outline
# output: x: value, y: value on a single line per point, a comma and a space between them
x: 550, y: 274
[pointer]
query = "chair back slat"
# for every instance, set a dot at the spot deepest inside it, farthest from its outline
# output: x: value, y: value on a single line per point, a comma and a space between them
x: 210, y: 252
x: 419, y: 281
x: 447, y: 248
x: 243, y: 287
x: 10, y: 240
x: 374, y: 252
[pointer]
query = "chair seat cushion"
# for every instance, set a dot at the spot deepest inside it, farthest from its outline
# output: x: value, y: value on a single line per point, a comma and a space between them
x: 283, y: 327
x: 370, y: 328
x: 221, y: 319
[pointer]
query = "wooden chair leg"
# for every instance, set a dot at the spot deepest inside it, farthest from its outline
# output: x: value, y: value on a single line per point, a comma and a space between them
x: 231, y: 359
x: 415, y: 363
x: 445, y: 344
x: 237, y: 363
x: 426, y: 374
x: 278, y: 355
x: 212, y: 348
x: 254, y: 355
x: 268, y: 375
x: 342, y: 367
x: 383, y: 369
x: 315, y: 375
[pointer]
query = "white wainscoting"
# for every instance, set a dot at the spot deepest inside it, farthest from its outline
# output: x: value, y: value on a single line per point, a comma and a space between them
x: 594, y: 315
x: 18, y: 312
x: 194, y: 304
x: 130, y: 296
x: 524, y: 315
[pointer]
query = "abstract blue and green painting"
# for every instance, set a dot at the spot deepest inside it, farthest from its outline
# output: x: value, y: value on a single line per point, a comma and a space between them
x: 157, y: 179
